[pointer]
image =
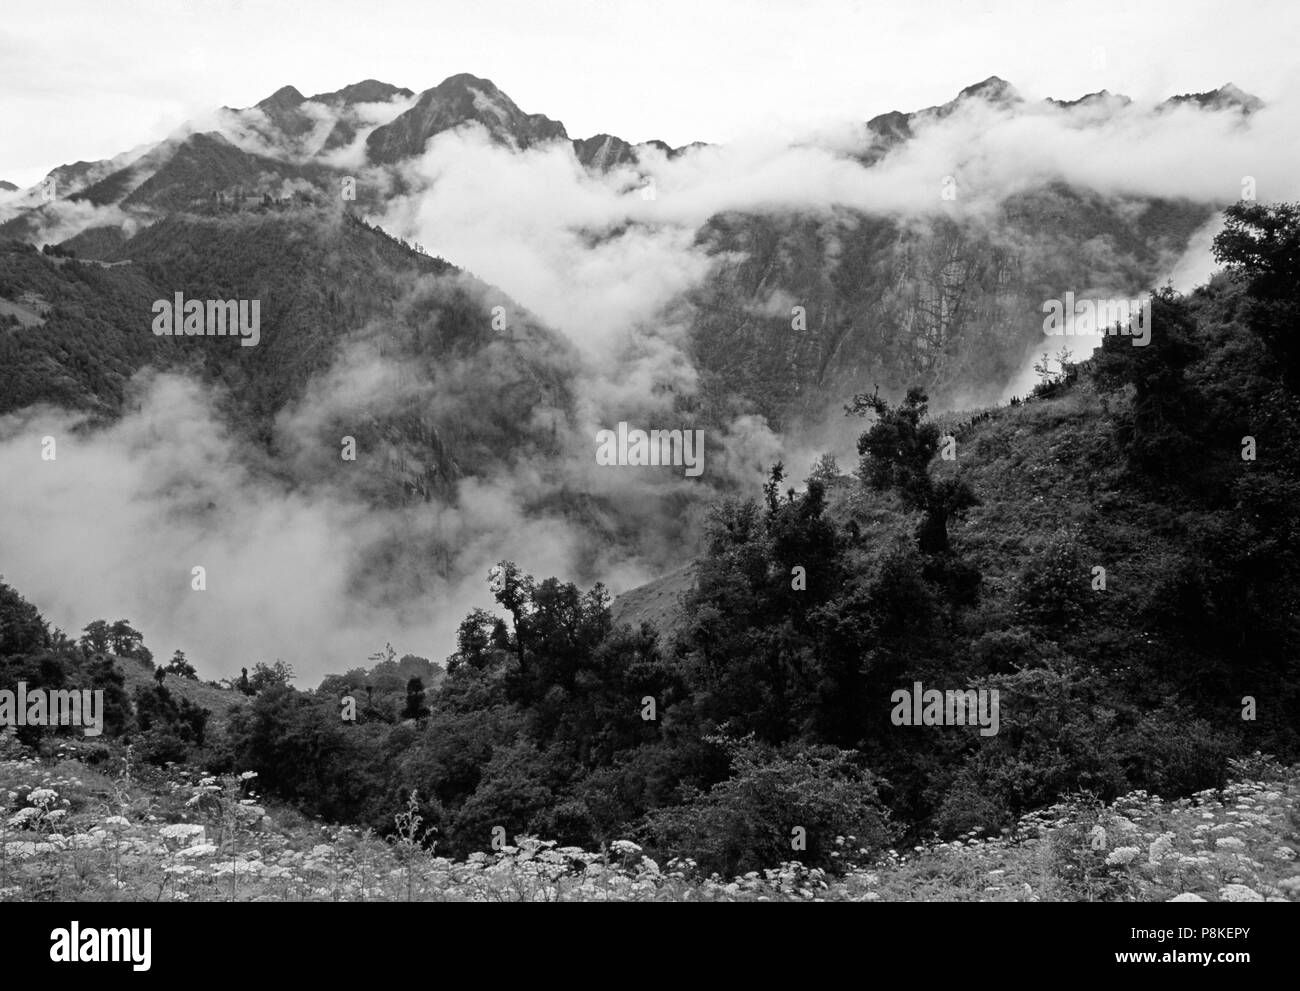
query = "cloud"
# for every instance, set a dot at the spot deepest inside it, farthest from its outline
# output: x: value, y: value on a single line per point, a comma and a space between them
x: 303, y: 564
x: 295, y: 568
x: 256, y: 132
x: 613, y: 269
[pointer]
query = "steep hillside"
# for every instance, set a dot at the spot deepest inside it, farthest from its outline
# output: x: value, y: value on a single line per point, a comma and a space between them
x: 951, y: 305
x: 219, y: 702
x: 94, y: 332
x: 325, y: 282
x: 658, y: 603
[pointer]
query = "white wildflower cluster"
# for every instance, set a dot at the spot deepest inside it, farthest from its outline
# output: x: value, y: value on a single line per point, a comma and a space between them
x: 24, y: 817
x: 183, y: 833
x: 1216, y: 846
x: 1239, y: 893
x: 1161, y: 848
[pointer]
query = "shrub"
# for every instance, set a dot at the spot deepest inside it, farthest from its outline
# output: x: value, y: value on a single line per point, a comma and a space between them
x: 747, y: 822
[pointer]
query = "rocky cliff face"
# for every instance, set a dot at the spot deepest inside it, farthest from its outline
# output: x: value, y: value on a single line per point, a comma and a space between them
x: 952, y: 305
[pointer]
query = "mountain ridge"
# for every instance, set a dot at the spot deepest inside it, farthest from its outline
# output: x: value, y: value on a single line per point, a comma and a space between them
x: 464, y: 98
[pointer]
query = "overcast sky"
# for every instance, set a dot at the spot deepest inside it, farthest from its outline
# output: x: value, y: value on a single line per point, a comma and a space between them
x: 85, y: 79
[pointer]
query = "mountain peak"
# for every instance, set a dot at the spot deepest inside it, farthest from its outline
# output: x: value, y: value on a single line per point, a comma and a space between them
x: 366, y: 91
x: 1227, y: 97
x: 460, y: 99
x: 995, y: 89
x: 283, y: 98
x: 465, y: 80
x: 1232, y: 94
x: 1103, y: 99
x: 892, y: 126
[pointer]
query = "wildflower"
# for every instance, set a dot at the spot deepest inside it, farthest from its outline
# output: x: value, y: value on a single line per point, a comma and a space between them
x: 22, y: 816
x: 200, y: 850
x: 1229, y: 843
x: 1160, y: 848
x: 1187, y: 896
x: 1123, y: 855
x: 182, y: 832
x: 1239, y: 893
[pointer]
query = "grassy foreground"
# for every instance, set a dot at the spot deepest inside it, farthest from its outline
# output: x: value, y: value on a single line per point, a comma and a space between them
x: 72, y: 832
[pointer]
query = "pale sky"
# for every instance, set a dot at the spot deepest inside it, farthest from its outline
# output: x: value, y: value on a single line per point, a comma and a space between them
x: 86, y: 79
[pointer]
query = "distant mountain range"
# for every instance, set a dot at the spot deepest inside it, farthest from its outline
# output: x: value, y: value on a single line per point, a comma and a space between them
x: 300, y: 134
x: 472, y: 415
x: 949, y: 303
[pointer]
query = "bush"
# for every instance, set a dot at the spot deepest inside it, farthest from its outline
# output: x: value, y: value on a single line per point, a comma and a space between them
x: 1079, y: 849
x: 1053, y: 586
x: 748, y: 821
x: 1179, y: 755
